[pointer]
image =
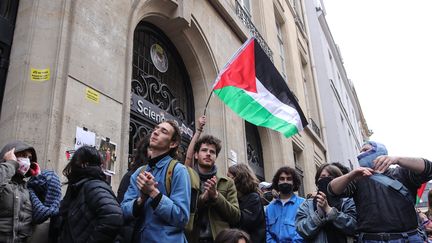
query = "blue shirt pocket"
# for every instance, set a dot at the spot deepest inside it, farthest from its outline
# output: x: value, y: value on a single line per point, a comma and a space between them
x: 289, y: 230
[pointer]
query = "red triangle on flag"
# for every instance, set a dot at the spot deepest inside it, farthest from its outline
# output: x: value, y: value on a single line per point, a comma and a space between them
x: 241, y: 71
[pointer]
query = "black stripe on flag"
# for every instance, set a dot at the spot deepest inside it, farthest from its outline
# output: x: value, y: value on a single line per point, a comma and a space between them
x: 270, y: 77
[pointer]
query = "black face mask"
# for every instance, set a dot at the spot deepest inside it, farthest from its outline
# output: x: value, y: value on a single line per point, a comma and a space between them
x: 268, y: 196
x: 285, y: 188
x: 322, y: 184
x: 322, y: 187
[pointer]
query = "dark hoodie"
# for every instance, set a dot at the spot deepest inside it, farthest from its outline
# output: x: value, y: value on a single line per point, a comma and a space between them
x: 15, y: 205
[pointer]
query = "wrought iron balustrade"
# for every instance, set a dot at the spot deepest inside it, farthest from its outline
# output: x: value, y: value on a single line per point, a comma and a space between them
x: 247, y: 21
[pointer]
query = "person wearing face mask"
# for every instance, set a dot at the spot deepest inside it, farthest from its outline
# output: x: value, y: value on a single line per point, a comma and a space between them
x: 17, y: 162
x: 281, y: 212
x: 384, y: 196
x: 324, y: 218
x: 267, y: 194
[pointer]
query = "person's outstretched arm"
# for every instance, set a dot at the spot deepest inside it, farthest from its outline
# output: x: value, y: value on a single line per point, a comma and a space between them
x: 338, y: 185
x: 416, y: 165
x: 190, y: 151
x: 419, y: 170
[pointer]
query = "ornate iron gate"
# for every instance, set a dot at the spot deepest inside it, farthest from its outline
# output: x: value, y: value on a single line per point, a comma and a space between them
x: 8, y: 13
x: 161, y: 87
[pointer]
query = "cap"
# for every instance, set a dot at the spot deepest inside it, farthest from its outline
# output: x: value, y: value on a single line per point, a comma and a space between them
x: 265, y: 185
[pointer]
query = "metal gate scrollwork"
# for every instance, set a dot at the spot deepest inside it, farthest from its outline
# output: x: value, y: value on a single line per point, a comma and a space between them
x: 160, y: 87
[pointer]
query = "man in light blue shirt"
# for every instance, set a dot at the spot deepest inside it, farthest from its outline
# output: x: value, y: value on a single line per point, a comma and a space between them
x: 281, y: 212
x: 160, y: 217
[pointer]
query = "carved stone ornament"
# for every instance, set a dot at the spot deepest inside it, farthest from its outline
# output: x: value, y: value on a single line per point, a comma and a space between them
x: 159, y: 58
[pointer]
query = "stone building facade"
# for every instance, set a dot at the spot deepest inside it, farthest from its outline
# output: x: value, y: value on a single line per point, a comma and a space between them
x: 117, y: 67
x: 346, y: 128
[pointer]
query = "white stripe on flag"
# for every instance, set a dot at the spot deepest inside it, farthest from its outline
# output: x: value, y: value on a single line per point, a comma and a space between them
x: 275, y: 106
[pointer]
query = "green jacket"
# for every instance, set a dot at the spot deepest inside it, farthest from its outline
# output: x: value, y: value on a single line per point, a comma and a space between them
x: 222, y: 212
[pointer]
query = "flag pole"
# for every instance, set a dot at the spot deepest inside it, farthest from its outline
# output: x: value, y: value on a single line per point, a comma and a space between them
x: 208, y: 100
x: 224, y: 68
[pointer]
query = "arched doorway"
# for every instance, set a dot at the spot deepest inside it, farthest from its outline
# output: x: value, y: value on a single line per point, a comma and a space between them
x: 161, y: 88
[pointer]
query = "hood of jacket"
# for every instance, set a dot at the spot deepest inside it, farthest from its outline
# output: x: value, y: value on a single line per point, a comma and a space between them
x: 19, y: 147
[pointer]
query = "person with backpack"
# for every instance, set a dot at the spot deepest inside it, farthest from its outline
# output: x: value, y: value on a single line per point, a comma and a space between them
x: 384, y: 196
x: 252, y: 218
x: 161, y: 216
x: 218, y: 206
x: 89, y: 212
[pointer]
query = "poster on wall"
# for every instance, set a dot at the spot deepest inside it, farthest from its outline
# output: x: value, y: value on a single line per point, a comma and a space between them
x: 108, y: 152
x: 84, y: 137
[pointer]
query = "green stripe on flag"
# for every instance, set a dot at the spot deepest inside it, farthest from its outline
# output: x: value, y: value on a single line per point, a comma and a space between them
x: 249, y: 109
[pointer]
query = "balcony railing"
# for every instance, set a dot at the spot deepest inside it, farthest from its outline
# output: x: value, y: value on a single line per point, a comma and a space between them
x: 245, y: 18
x: 315, y: 127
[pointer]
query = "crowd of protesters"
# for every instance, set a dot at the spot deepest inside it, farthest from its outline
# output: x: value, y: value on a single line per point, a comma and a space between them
x: 161, y: 199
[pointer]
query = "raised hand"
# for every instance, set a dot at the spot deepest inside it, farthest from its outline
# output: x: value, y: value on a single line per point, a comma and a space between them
x: 361, y: 172
x: 210, y: 187
x: 322, y: 202
x: 10, y: 155
x: 201, y: 122
x: 146, y: 183
x: 383, y: 162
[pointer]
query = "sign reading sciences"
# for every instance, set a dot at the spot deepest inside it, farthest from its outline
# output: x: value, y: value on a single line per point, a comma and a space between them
x: 156, y: 115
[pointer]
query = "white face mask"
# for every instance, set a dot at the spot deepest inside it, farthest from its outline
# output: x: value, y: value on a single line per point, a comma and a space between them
x: 24, y: 165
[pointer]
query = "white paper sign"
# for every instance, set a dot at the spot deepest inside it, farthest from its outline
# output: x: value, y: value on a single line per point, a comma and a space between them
x: 233, y: 156
x: 84, y: 138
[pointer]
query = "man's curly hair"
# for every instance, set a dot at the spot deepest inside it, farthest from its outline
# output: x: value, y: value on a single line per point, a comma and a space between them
x: 208, y: 139
x: 289, y: 171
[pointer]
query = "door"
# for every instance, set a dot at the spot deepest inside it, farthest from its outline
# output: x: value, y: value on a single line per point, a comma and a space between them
x: 161, y: 87
x: 8, y: 13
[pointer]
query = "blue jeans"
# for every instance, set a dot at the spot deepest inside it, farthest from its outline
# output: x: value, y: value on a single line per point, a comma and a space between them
x: 411, y: 239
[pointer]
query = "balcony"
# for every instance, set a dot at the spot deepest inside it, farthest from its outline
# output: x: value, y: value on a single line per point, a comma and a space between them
x: 247, y: 21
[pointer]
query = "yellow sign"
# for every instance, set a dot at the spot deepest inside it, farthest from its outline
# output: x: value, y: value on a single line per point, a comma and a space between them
x: 92, y: 95
x: 39, y: 75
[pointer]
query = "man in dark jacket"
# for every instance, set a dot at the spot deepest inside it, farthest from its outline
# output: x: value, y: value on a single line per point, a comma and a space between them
x: 384, y: 213
x: 17, y: 162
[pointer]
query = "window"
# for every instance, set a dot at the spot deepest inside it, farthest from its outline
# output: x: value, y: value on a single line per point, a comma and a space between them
x: 298, y: 8
x: 246, y: 6
x: 298, y: 162
x: 281, y: 49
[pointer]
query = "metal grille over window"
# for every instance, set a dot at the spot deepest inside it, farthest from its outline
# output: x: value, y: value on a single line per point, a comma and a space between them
x: 247, y: 21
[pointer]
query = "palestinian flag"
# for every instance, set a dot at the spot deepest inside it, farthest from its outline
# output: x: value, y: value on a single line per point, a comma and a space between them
x: 253, y: 88
x: 420, y: 192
